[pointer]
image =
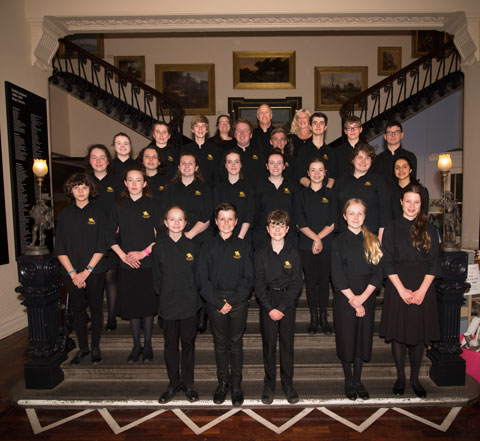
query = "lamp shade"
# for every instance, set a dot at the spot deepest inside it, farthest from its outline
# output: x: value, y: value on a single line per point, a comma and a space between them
x: 444, y: 162
x: 40, y: 168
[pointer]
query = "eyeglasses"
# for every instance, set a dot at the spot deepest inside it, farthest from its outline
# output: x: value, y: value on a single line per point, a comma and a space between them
x: 352, y: 128
x: 393, y: 132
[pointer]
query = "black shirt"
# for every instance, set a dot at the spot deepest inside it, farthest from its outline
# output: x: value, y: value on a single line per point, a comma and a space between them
x: 310, y: 151
x: 262, y: 139
x: 157, y: 185
x: 136, y: 222
x: 108, y: 193
x: 385, y: 161
x: 239, y: 194
x: 298, y: 143
x: 397, y: 193
x: 209, y: 156
x: 225, y: 271
x: 316, y: 210
x: 343, y: 152
x: 348, y: 260
x: 120, y: 168
x: 278, y: 277
x: 372, y: 189
x: 80, y: 234
x: 253, y: 164
x: 174, y: 277
x: 168, y: 157
x: 397, y: 248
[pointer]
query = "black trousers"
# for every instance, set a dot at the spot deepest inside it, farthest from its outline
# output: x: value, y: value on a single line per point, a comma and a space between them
x: 316, y: 268
x: 227, y: 330
x: 285, y: 329
x: 184, y: 331
x: 91, y: 295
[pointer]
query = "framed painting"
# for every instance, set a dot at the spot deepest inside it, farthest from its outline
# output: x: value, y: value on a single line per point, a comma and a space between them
x: 389, y: 60
x: 133, y: 65
x: 192, y: 85
x: 424, y: 42
x: 92, y: 43
x: 264, y: 70
x: 336, y: 85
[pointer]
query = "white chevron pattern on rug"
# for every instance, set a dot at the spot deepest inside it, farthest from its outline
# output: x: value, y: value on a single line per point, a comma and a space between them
x: 197, y: 430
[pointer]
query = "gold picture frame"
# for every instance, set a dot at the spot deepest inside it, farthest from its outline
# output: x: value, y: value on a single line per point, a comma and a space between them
x: 264, y: 70
x: 389, y: 60
x: 133, y: 65
x: 424, y: 42
x: 192, y: 85
x: 336, y: 85
x: 92, y: 43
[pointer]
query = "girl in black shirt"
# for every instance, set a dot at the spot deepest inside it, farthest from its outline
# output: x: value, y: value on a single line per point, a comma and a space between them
x: 79, y: 246
x: 411, y: 262
x: 122, y: 144
x: 168, y: 153
x: 149, y: 159
x: 134, y: 222
x: 356, y: 274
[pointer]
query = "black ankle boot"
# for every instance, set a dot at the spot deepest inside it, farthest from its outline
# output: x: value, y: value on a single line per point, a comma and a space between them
x: 202, y: 321
x: 324, y: 323
x: 313, y: 327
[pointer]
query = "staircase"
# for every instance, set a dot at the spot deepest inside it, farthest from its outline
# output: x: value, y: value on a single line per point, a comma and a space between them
x: 113, y: 92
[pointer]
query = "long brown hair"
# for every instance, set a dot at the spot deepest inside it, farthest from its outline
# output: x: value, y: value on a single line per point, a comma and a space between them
x: 198, y: 174
x: 419, y: 231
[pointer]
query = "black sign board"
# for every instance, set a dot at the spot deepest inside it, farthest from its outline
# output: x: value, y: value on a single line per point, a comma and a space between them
x: 28, y: 140
x: 3, y: 218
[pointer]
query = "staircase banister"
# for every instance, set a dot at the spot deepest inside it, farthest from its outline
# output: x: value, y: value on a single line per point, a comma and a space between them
x: 123, y: 75
x: 389, y: 80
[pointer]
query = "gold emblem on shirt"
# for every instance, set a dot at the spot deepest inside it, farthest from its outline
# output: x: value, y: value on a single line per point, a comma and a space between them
x: 146, y: 215
x: 324, y: 200
x: 109, y: 189
x: 368, y: 184
x: 286, y: 190
x: 198, y: 193
x: 254, y: 157
x: 161, y: 187
x: 241, y: 194
x: 91, y: 221
x: 170, y: 158
x: 325, y: 156
x: 287, y: 265
x: 286, y: 164
x: 236, y: 255
x: 210, y: 157
x: 189, y: 257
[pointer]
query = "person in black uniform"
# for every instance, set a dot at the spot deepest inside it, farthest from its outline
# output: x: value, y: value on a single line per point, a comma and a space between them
x: 123, y: 160
x: 175, y: 257
x: 223, y: 136
x: 278, y: 282
x: 161, y: 134
x: 134, y: 221
x: 156, y: 171
x: 207, y: 153
x: 300, y: 130
x: 365, y: 185
x: 356, y: 274
x: 262, y: 133
x: 79, y: 246
x: 316, y: 148
x: 384, y: 162
x: 402, y: 169
x: 279, y: 141
x: 238, y: 192
x: 225, y: 278
x: 411, y: 262
x: 189, y: 192
x: 352, y: 128
x: 98, y: 165
x: 316, y: 213
x: 274, y: 193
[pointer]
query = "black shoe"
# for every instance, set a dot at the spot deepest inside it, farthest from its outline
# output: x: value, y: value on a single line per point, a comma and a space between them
x: 361, y: 391
x: 267, y: 394
x: 79, y: 356
x: 418, y: 389
x: 147, y: 354
x: 313, y: 326
x: 135, y: 355
x: 350, y: 392
x: 237, y: 396
x: 221, y: 392
x: 202, y: 321
x: 111, y: 326
x: 96, y: 356
x: 191, y: 393
x: 291, y: 394
x: 324, y: 323
x: 169, y: 394
x: 399, y: 387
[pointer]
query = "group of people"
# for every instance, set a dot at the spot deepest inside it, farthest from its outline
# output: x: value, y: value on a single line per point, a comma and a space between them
x: 188, y: 232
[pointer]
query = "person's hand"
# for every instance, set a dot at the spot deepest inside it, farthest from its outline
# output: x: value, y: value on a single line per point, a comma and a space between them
x: 418, y: 297
x: 78, y: 279
x: 136, y: 256
x: 226, y: 308
x: 360, y: 311
x: 276, y: 315
x: 131, y: 263
x: 317, y: 246
x: 356, y: 301
x: 406, y: 295
x: 188, y: 235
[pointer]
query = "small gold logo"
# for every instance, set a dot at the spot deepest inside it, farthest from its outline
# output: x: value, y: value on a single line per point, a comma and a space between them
x: 287, y: 265
x: 325, y: 156
x: 189, y: 257
x: 286, y: 190
x: 109, y: 189
x: 210, y: 157
x: 368, y: 184
x: 324, y: 200
x: 145, y: 215
x: 241, y: 194
x: 254, y: 157
x: 161, y: 187
x: 236, y: 255
x: 91, y: 221
x: 286, y: 164
x: 170, y: 158
x: 198, y: 193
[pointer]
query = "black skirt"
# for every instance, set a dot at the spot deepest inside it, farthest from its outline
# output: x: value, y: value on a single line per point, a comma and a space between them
x: 410, y: 324
x: 111, y: 259
x: 136, y: 297
x: 354, y: 335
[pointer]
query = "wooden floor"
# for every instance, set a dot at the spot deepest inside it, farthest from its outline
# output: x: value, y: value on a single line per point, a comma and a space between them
x: 14, y: 424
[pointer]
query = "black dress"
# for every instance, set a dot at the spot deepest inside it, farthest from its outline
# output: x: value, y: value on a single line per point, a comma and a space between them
x: 350, y: 269
x: 409, y: 324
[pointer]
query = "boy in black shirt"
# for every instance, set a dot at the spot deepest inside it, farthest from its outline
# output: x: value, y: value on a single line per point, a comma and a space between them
x: 278, y: 282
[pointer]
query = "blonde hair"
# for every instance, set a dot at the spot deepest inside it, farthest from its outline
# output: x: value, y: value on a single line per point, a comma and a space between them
x: 371, y: 244
x: 294, y: 127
